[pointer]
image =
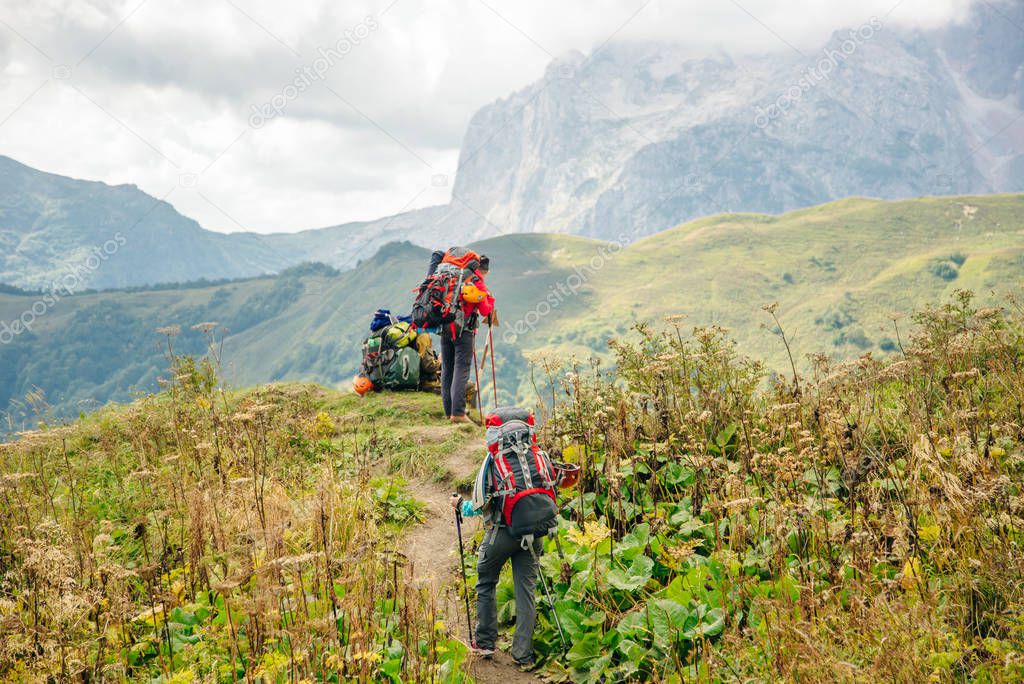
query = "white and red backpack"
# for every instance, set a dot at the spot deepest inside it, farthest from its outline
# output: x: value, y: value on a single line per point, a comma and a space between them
x: 518, y: 474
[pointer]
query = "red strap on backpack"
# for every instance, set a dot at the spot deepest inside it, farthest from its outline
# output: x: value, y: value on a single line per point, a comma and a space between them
x: 511, y: 501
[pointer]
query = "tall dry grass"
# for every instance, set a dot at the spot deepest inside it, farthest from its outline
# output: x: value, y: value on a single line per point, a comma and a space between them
x: 198, y: 535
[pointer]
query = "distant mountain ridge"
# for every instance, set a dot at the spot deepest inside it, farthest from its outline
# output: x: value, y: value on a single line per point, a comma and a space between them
x: 626, y: 142
x: 839, y: 272
x: 52, y: 227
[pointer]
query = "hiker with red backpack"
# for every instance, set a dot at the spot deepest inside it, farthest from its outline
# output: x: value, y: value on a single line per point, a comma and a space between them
x: 451, y: 300
x: 515, y: 492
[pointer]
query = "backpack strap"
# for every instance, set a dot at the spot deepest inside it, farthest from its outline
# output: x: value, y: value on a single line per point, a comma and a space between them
x: 459, y: 323
x: 520, y: 450
x: 483, y: 493
x: 545, y: 467
x: 505, y: 480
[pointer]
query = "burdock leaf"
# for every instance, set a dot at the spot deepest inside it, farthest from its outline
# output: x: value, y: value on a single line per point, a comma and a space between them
x: 584, y: 651
x: 633, y: 626
x: 634, y: 543
x: 635, y: 577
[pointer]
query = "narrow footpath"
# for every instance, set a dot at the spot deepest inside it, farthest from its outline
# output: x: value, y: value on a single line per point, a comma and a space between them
x: 433, y: 551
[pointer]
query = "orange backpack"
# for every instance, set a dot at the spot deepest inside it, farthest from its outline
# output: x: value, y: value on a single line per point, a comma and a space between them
x: 438, y: 302
x: 461, y: 257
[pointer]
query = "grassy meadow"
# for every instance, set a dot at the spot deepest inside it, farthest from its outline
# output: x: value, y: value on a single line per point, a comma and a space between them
x: 859, y: 522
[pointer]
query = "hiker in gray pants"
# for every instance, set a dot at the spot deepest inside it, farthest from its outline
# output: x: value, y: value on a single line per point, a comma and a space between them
x: 456, y: 360
x: 457, y: 354
x: 498, y: 547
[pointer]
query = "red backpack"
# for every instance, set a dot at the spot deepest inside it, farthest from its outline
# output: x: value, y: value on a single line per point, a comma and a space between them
x: 523, y: 480
x: 438, y: 302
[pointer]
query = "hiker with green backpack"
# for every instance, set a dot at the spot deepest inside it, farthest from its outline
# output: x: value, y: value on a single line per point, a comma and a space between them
x: 515, y: 492
x: 451, y: 300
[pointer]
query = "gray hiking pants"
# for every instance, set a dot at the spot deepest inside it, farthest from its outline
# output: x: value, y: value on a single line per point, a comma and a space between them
x: 499, y: 546
x: 456, y: 361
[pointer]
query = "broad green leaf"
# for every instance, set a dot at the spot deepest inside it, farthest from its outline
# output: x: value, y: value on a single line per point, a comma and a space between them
x: 673, y: 613
x: 787, y: 586
x: 631, y: 650
x: 634, y: 543
x: 694, y: 527
x: 627, y: 671
x: 572, y: 621
x: 713, y: 622
x: 636, y: 576
x: 667, y: 619
x: 633, y: 625
x: 678, y: 591
x: 681, y: 515
x: 594, y: 671
x: 582, y: 581
x: 724, y: 437
x: 584, y: 651
x: 183, y: 617
x: 676, y: 475
x: 392, y: 669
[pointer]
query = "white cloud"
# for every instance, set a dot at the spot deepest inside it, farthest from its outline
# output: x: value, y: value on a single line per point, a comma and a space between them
x: 178, y: 81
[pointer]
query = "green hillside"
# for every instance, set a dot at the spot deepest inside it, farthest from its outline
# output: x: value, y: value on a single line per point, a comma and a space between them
x: 861, y: 523
x: 839, y: 272
x: 77, y: 234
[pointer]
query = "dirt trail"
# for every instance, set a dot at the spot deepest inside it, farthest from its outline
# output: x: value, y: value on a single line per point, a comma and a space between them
x: 433, y: 550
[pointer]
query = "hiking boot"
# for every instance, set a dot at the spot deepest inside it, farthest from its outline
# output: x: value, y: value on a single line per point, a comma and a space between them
x: 526, y: 665
x: 481, y: 651
x: 459, y: 419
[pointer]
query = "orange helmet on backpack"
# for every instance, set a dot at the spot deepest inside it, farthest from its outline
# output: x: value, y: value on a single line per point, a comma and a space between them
x: 472, y: 294
x: 568, y: 474
x: 362, y: 384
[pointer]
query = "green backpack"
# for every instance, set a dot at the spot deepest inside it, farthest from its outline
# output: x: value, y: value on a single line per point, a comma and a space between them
x: 402, y: 371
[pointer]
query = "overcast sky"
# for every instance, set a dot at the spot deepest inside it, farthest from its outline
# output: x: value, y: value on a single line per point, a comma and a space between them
x: 229, y: 109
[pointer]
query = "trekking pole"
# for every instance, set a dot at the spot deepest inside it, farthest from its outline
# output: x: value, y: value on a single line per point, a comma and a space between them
x: 566, y: 568
x: 494, y: 375
x: 476, y: 374
x: 528, y: 544
x: 462, y: 567
x: 483, y: 360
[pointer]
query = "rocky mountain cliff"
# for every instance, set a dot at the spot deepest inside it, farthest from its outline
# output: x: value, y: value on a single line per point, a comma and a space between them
x: 639, y: 137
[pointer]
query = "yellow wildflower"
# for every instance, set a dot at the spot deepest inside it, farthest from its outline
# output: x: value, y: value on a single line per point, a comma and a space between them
x: 323, y: 425
x: 368, y: 656
x: 593, y: 533
x: 912, y: 574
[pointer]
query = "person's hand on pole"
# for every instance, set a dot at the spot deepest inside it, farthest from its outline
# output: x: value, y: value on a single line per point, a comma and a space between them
x: 455, y: 501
